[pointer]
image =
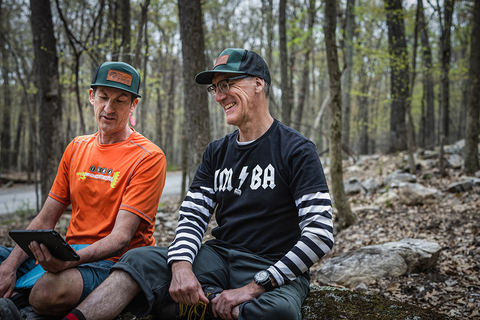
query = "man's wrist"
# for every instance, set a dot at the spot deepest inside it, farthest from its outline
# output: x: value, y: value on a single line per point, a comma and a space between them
x: 264, y: 279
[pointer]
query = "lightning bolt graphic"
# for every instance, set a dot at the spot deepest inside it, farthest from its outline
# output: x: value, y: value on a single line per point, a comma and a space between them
x: 243, y: 176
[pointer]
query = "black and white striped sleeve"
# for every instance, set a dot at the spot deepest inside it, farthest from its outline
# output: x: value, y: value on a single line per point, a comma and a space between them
x: 194, y: 216
x: 315, y: 218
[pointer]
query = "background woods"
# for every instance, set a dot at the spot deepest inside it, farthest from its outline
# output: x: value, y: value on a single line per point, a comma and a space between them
x: 50, y: 48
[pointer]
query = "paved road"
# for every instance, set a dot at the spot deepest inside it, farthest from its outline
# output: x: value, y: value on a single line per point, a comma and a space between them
x: 22, y: 197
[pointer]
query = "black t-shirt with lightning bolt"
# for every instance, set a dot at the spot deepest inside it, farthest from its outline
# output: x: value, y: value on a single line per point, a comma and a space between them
x: 271, y: 199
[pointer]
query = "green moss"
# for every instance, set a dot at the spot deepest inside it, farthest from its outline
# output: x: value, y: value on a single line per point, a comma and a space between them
x: 333, y: 303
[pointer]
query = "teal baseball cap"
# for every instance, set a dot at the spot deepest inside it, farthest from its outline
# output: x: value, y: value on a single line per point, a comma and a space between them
x: 234, y: 60
x: 118, y: 75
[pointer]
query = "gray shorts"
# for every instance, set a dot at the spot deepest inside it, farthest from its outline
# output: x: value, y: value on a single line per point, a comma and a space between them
x: 220, y: 267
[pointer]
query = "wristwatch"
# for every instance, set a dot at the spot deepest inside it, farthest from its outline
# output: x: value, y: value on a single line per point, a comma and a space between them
x: 263, y: 278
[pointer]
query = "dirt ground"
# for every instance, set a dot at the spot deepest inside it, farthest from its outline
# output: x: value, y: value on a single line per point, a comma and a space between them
x: 451, y: 287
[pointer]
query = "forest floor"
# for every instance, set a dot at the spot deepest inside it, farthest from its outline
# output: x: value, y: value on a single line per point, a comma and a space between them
x: 451, y: 287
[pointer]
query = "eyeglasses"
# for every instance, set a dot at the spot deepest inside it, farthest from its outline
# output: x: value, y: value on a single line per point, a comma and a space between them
x: 223, y: 85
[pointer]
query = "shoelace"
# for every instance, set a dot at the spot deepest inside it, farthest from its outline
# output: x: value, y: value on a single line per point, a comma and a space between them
x: 191, y: 311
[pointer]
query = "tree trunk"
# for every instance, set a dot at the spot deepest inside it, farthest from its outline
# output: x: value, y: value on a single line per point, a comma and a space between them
x: 429, y: 129
x: 345, y: 215
x: 471, y: 133
x: 159, y: 121
x: 170, y: 114
x: 47, y: 83
x: 347, y: 80
x: 197, y: 117
x: 409, y: 118
x: 141, y: 25
x: 306, y: 67
x: 363, y: 109
x: 144, y: 101
x: 445, y: 50
x: 286, y: 99
x: 126, y: 32
x: 7, y: 106
x: 398, y: 74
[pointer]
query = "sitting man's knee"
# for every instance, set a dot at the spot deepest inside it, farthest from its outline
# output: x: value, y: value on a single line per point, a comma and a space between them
x: 51, y: 295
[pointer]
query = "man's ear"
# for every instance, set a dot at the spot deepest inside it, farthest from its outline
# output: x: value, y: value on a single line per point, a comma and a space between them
x: 91, y: 96
x: 133, y: 106
x: 259, y: 84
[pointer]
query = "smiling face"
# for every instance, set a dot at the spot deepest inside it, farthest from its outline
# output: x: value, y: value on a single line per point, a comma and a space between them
x: 239, y: 102
x: 112, y: 108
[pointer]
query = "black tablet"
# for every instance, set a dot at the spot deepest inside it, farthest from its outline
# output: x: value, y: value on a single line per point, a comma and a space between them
x: 57, y: 246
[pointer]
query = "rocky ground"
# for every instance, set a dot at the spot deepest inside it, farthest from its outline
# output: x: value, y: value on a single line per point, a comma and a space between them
x: 452, y: 287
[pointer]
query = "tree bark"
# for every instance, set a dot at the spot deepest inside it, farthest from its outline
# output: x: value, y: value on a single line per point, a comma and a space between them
x: 429, y: 128
x: 5, y: 152
x: 49, y: 93
x: 306, y: 66
x: 143, y: 102
x: 345, y: 216
x: 197, y: 117
x: 286, y: 99
x: 346, y: 98
x: 398, y: 74
x: 141, y: 25
x: 409, y: 118
x: 445, y: 50
x: 126, y: 32
x: 169, y: 150
x: 471, y: 133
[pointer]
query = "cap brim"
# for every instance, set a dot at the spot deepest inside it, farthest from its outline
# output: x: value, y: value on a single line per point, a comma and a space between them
x: 113, y: 86
x: 206, y: 77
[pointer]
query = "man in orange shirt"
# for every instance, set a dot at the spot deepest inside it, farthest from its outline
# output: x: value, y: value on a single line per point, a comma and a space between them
x: 113, y: 179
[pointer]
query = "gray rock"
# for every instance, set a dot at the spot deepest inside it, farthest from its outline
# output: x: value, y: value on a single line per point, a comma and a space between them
x: 461, y: 186
x: 456, y: 148
x: 370, y: 263
x: 353, y: 186
x: 455, y: 161
x: 429, y: 154
x: 366, y: 208
x: 370, y: 185
x: 400, y: 176
x: 415, y: 193
x: 386, y: 198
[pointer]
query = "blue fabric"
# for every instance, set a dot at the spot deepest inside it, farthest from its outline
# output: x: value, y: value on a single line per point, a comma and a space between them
x: 33, y: 274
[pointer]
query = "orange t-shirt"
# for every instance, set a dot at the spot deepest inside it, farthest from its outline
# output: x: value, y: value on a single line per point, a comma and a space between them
x: 99, y: 180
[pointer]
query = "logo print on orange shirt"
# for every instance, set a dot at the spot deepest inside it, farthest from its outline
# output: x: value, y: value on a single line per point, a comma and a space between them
x: 120, y: 77
x: 113, y: 179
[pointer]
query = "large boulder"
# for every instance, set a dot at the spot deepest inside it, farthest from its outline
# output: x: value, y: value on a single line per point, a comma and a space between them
x: 370, y: 263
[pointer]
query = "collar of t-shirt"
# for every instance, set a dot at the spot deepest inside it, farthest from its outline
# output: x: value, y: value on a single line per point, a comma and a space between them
x: 244, y: 143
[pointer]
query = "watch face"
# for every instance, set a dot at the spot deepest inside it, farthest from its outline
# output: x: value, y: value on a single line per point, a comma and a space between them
x: 262, y: 276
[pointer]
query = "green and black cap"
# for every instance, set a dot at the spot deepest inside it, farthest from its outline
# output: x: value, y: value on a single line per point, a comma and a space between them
x: 236, y: 61
x: 118, y: 75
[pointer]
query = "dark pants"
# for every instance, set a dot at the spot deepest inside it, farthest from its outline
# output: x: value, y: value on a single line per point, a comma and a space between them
x: 227, y: 269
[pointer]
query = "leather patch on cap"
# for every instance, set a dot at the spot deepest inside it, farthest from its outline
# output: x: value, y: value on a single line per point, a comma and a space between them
x: 221, y: 60
x: 120, y: 77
